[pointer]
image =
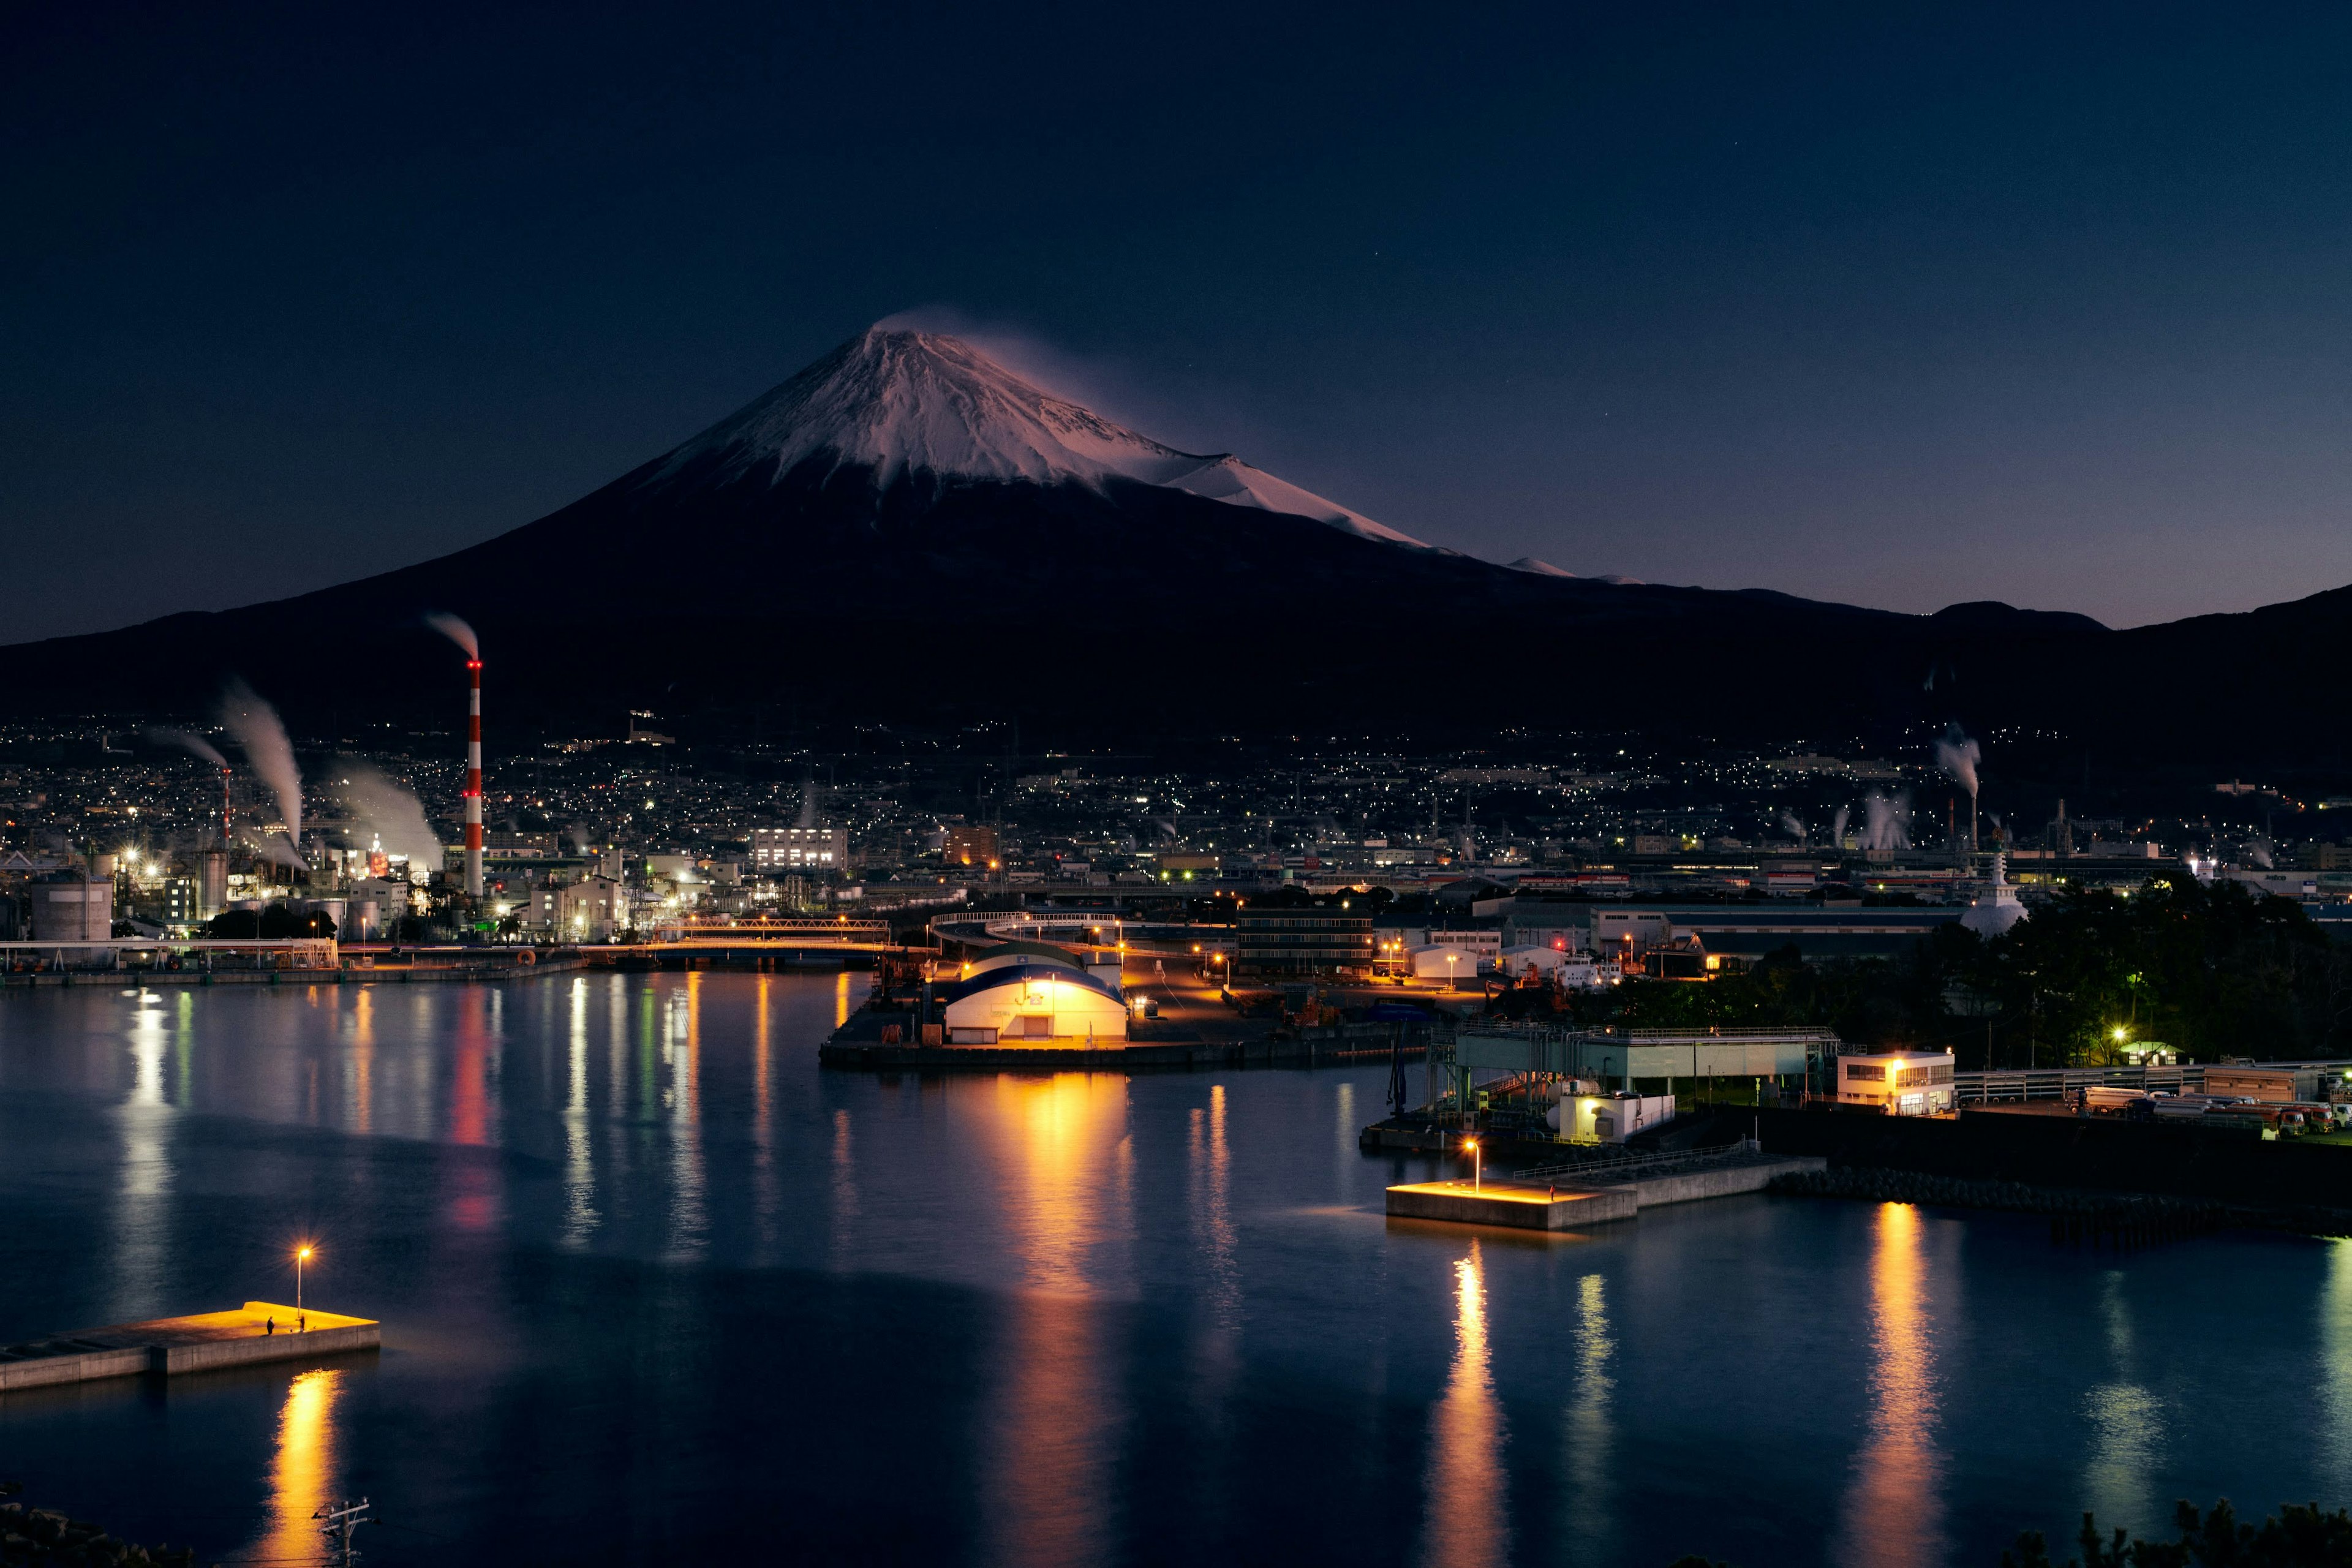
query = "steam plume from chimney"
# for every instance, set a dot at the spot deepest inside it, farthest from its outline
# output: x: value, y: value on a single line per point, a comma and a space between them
x: 268, y: 752
x: 389, y: 812
x: 1887, y: 822
x: 196, y: 744
x: 457, y: 631
x: 1957, y: 755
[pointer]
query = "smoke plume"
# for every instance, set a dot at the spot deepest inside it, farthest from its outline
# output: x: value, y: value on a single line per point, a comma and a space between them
x: 196, y: 743
x: 1957, y: 755
x: 457, y: 631
x: 279, y: 852
x: 388, y: 813
x: 268, y: 752
x: 1886, y: 822
x: 1837, y: 826
x: 2260, y: 853
x: 808, y: 805
x: 1796, y: 830
x: 585, y: 840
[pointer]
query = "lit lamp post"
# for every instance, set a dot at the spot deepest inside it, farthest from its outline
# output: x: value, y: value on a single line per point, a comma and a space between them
x: 1452, y: 979
x: 301, y: 1255
x: 1470, y: 1147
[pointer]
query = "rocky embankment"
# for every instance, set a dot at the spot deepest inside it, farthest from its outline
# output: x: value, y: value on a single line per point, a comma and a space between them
x: 44, y: 1536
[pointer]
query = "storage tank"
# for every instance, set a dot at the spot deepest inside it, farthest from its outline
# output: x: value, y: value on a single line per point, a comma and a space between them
x: 73, y: 908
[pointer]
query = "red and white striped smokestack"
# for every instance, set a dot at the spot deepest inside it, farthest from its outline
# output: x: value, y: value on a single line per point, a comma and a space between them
x: 474, y: 781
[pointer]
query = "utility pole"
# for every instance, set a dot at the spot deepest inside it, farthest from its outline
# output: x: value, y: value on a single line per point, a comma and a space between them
x: 342, y: 1522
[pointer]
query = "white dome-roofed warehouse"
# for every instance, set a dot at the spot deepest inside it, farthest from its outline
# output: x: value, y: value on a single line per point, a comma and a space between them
x: 1034, y: 1001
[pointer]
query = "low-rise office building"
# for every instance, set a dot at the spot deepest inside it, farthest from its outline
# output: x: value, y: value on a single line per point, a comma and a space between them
x: 1306, y: 939
x: 1900, y: 1083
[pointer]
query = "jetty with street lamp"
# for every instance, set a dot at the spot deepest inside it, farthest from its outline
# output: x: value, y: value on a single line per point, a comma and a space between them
x: 254, y: 1332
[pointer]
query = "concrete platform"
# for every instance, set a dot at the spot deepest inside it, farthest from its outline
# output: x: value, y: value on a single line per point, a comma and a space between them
x: 170, y: 1346
x: 1521, y: 1209
x: 1566, y: 1208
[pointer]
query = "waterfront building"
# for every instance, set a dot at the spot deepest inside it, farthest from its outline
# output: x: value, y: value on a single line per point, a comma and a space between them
x: 1899, y: 1083
x: 1304, y: 940
x: 1033, y: 1001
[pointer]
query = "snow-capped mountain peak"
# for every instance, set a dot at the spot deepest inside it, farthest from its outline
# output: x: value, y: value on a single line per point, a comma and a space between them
x: 904, y: 403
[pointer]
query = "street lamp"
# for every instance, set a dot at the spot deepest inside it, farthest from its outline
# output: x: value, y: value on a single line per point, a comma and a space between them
x: 1470, y: 1146
x: 301, y: 1255
x: 1451, y: 979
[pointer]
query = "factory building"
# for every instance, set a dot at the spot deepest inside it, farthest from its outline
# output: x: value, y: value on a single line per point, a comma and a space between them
x: 800, y: 848
x: 73, y: 908
x: 595, y: 909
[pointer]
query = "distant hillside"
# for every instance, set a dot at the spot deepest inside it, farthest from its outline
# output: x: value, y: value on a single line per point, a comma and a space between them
x: 907, y: 533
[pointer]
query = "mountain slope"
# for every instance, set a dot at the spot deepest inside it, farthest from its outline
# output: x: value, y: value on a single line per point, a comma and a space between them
x: 907, y: 533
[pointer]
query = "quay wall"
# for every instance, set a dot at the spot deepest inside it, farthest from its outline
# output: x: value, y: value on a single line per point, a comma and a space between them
x: 209, y: 1355
x: 1720, y: 1181
x: 122, y: 1362
x: 2092, y: 1154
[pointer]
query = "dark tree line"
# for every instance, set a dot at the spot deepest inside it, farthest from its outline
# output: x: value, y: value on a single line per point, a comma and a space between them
x: 2212, y: 970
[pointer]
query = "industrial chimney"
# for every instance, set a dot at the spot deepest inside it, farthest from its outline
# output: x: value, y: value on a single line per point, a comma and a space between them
x: 474, y: 779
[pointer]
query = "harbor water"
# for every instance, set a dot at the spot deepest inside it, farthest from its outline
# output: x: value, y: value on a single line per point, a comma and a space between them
x: 656, y: 1288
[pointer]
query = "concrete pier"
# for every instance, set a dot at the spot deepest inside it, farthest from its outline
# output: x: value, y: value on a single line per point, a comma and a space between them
x: 1596, y: 1201
x: 169, y: 1346
x: 1522, y: 1208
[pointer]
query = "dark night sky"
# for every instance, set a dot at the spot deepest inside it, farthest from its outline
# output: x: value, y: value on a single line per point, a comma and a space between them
x: 2047, y: 304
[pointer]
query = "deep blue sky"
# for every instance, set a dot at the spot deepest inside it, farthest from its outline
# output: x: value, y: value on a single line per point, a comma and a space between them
x: 2048, y: 304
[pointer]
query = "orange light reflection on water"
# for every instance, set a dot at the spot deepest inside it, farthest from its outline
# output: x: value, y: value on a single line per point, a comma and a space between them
x: 302, y: 1475
x: 1058, y: 1416
x: 1895, y: 1516
x: 1465, y: 1518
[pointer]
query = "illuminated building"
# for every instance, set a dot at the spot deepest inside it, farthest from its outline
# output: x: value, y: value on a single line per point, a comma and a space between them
x: 972, y: 845
x: 1900, y: 1083
x: 1304, y: 939
x: 1034, y: 1000
x: 802, y: 848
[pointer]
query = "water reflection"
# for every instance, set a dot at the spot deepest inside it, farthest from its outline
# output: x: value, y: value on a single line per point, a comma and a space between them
x: 1345, y: 1180
x: 579, y: 1162
x: 2335, y: 1351
x: 1054, y: 1140
x: 1211, y: 1177
x: 142, y: 1192
x: 2126, y: 1423
x: 767, y: 1190
x: 303, y: 1474
x: 844, y: 1193
x: 1894, y: 1514
x: 1590, y: 1432
x: 359, y: 1109
x: 683, y: 1045
x: 474, y: 1202
x: 1056, y: 1425
x: 1465, y: 1516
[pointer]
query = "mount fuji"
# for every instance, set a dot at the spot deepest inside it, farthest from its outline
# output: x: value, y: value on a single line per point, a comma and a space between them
x: 907, y: 532
x: 903, y: 408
